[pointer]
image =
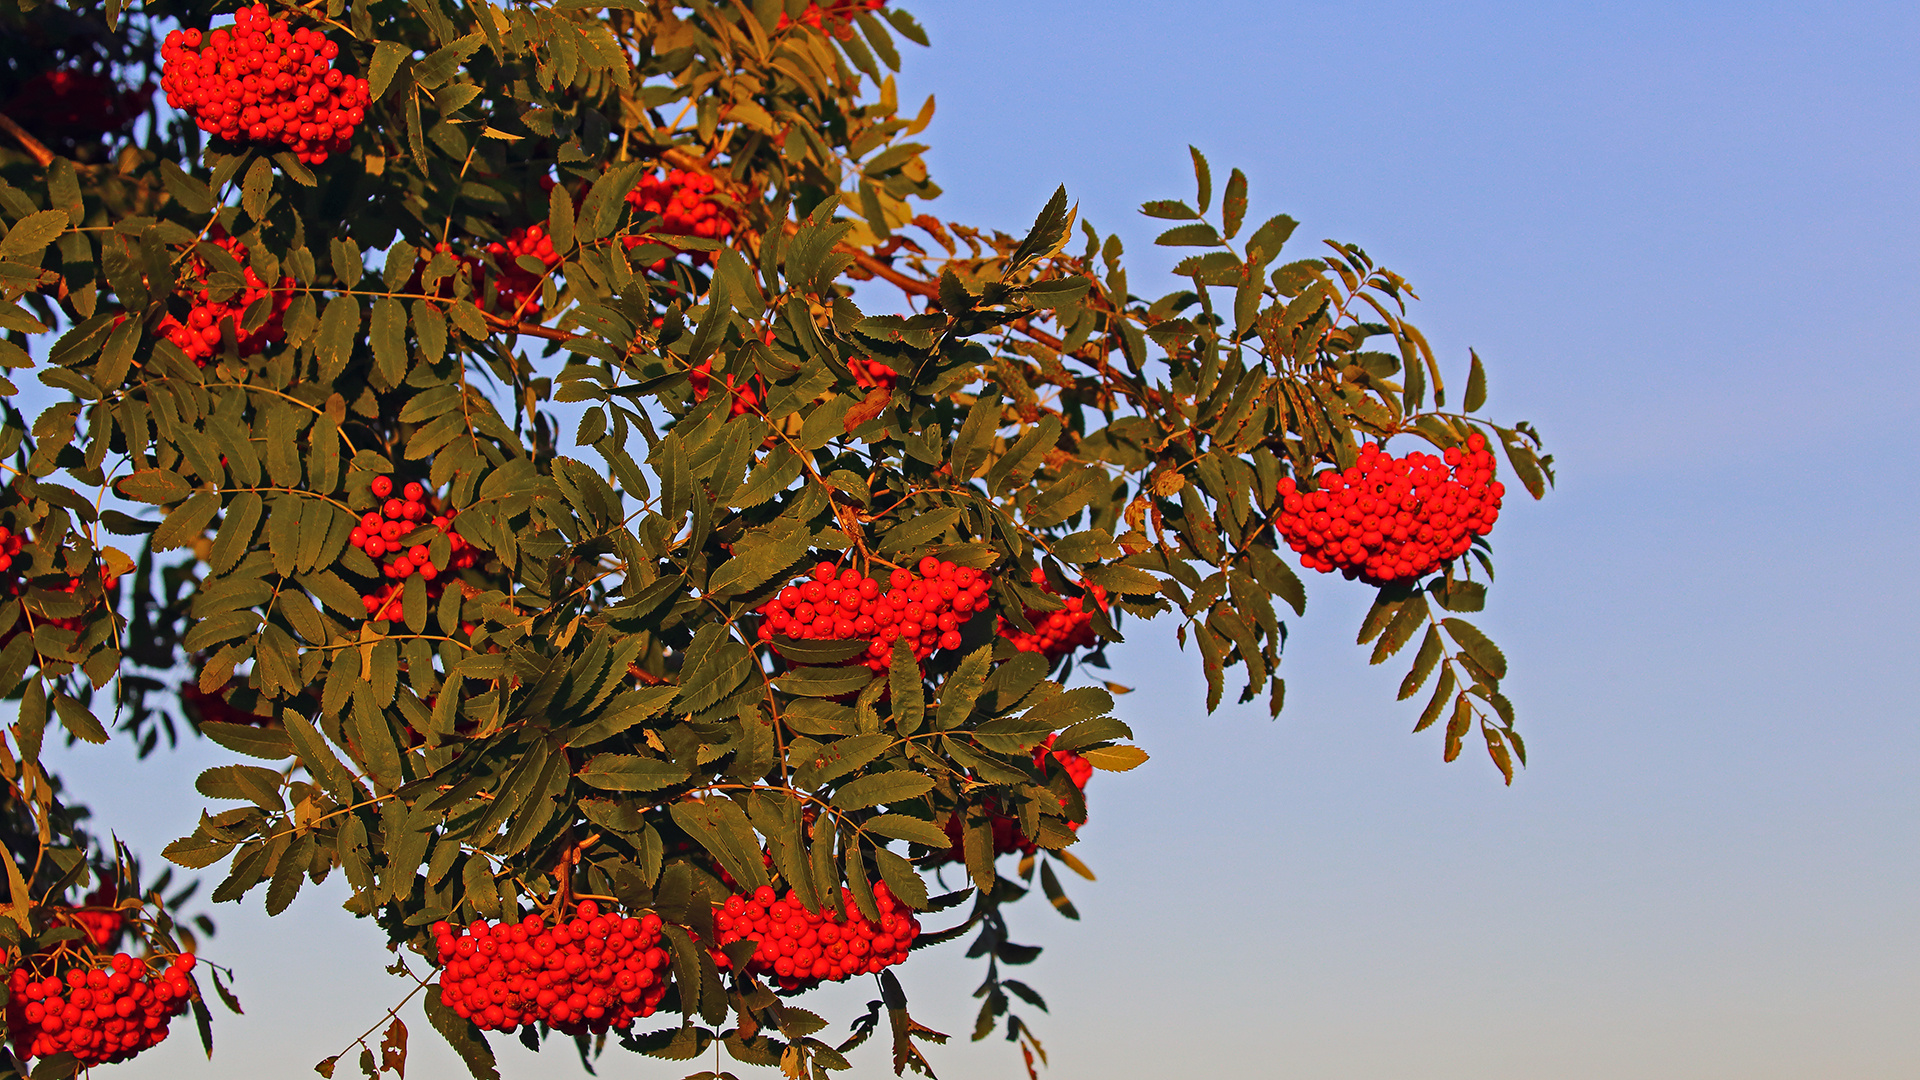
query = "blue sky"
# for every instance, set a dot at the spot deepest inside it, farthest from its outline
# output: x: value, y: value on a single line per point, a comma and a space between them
x: 1684, y: 239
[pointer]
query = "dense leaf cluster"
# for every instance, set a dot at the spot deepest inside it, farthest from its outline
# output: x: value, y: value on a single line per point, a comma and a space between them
x: 585, y: 276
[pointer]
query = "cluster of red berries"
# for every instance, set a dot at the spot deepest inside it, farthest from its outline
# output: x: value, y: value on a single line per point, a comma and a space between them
x: 1057, y: 633
x: 1392, y: 519
x: 869, y: 373
x: 394, y: 535
x: 515, y: 290
x: 589, y: 973
x: 208, y: 708
x: 1007, y: 836
x: 842, y: 605
x: 99, y: 918
x: 257, y: 81
x: 801, y: 948
x: 836, y: 17
x: 685, y: 201
x: 201, y: 335
x: 100, y: 1015
x: 10, y: 544
x: 78, y: 105
x: 747, y: 393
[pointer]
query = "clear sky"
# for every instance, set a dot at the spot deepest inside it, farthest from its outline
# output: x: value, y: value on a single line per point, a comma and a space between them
x: 1684, y: 238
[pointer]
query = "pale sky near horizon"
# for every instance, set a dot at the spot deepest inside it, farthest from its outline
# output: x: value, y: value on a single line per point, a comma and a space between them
x: 1684, y: 239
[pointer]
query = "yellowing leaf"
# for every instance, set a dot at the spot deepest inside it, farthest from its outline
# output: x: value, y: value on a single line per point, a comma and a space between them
x: 1115, y: 758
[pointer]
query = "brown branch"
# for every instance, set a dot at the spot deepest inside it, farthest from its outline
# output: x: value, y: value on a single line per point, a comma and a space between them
x: 27, y: 142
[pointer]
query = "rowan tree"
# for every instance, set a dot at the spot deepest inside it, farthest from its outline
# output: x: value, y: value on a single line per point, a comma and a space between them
x: 463, y: 415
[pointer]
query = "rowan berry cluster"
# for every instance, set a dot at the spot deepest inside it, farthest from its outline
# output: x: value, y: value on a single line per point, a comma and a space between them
x: 587, y: 974
x: 208, y: 708
x: 747, y: 393
x: 801, y: 948
x: 400, y: 536
x: 1390, y: 519
x: 686, y: 204
x: 77, y: 105
x: 835, y: 18
x: 869, y: 373
x: 926, y: 609
x: 100, y: 1014
x: 517, y: 289
x: 99, y: 918
x: 256, y: 81
x: 1007, y: 835
x: 1057, y: 633
x: 204, y: 332
x: 10, y: 544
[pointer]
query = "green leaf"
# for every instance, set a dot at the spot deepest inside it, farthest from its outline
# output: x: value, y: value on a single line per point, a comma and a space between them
x: 269, y: 744
x: 888, y: 787
x: 386, y: 61
x: 1125, y: 580
x: 1051, y: 884
x: 918, y: 530
x: 236, y: 531
x: 1196, y: 235
x: 1061, y: 710
x: 318, y: 757
x: 1268, y: 239
x: 814, y: 767
x: 156, y: 486
x: 1050, y: 230
x: 1438, y: 701
x: 387, y: 335
x: 192, y: 194
x: 719, y: 825
x: 31, y: 234
x: 465, y: 1038
x: 1203, y: 178
x: 289, y: 874
x: 1411, y: 615
x: 251, y: 783
x: 898, y: 873
x: 904, y: 681
x: 623, y: 712
x: 970, y: 446
x: 961, y: 691
x: 339, y: 325
x: 759, y: 556
x: 255, y: 189
x: 78, y: 720
x: 626, y: 772
x: 1423, y: 664
x: 1525, y: 465
x: 1457, y: 726
x: 1476, y: 384
x: 1477, y: 646
x: 1233, y: 205
x: 1088, y: 732
x: 197, y: 852
x: 909, y: 828
x: 560, y: 219
x: 824, y: 682
x: 801, y: 651
x: 187, y: 523
x: 1170, y: 209
x: 440, y: 65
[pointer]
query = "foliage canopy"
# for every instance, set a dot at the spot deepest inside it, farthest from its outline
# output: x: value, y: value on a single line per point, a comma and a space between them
x: 452, y: 402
